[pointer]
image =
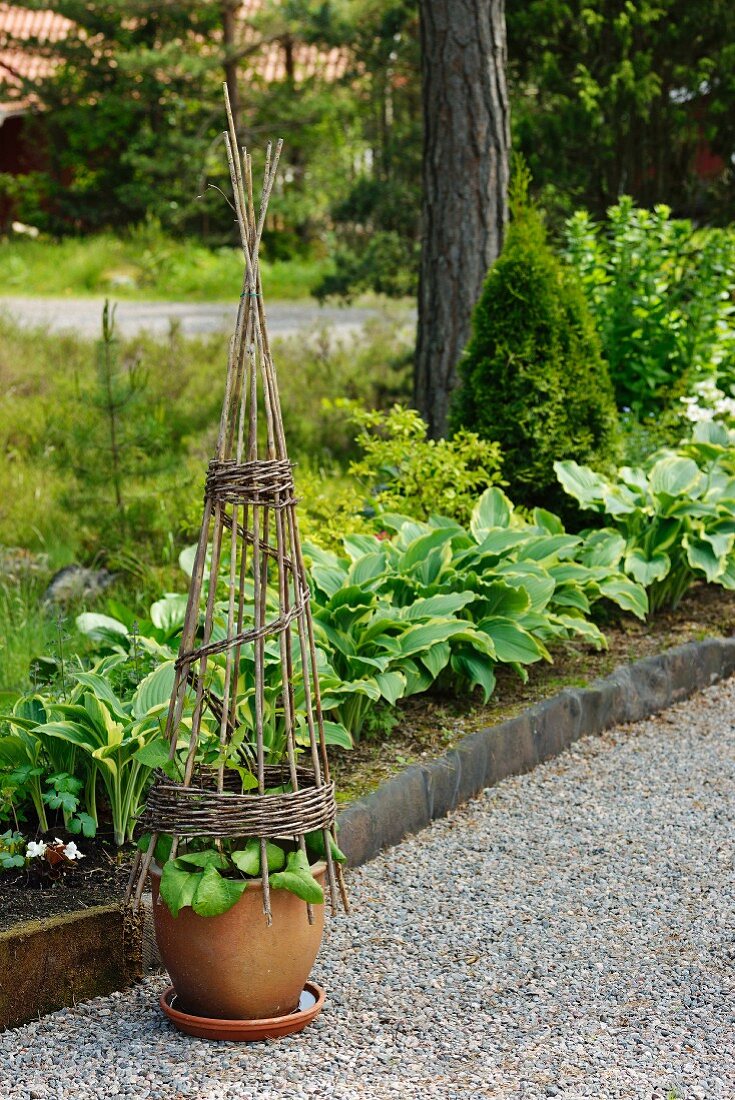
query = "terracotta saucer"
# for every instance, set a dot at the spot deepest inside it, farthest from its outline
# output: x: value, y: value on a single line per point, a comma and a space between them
x: 246, y: 1031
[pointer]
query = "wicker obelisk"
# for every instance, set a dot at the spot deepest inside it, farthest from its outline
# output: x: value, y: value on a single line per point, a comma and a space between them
x: 249, y: 517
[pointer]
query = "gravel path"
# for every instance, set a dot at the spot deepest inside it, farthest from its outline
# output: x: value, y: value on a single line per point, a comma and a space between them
x: 82, y: 315
x: 569, y: 934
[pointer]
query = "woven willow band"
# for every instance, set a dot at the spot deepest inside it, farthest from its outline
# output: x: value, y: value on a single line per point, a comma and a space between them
x: 201, y: 811
x: 263, y: 481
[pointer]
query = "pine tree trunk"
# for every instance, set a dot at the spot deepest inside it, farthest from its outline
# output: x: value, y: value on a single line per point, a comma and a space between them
x: 465, y: 183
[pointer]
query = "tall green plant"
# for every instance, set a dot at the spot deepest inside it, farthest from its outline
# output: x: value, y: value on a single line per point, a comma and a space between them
x: 661, y: 295
x: 532, y: 377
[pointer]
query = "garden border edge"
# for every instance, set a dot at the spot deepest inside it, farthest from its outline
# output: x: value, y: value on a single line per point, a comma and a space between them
x: 422, y: 793
x: 399, y: 807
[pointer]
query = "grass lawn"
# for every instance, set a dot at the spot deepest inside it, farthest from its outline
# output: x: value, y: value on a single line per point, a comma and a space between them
x: 143, y: 264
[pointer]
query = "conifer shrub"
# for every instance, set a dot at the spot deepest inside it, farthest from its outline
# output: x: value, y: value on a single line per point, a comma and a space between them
x: 532, y: 377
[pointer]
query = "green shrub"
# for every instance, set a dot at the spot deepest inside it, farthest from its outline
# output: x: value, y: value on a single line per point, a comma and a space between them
x: 532, y: 377
x: 661, y: 295
x: 403, y: 471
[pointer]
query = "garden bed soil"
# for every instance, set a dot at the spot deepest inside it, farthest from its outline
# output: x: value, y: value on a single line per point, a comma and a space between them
x: 425, y: 729
x: 99, y: 878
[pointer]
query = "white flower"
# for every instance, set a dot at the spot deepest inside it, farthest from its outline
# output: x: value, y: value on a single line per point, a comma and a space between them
x: 34, y: 849
x: 72, y: 852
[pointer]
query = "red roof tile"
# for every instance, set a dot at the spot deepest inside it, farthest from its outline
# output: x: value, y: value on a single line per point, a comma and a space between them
x: 17, y: 64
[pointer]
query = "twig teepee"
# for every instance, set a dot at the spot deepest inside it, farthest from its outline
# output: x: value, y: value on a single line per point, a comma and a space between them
x: 249, y: 500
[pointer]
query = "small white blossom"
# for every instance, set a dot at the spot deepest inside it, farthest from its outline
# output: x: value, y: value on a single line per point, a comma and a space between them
x: 72, y: 852
x: 34, y: 849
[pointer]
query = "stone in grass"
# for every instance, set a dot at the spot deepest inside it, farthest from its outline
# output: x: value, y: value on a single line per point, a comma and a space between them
x: 76, y: 582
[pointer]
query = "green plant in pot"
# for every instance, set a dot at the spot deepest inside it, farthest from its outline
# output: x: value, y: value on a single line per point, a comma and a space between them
x: 239, y: 839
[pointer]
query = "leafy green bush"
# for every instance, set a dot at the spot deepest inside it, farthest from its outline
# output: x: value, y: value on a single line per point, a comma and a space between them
x: 532, y: 377
x: 661, y: 295
x: 498, y: 593
x: 673, y: 521
x: 403, y: 471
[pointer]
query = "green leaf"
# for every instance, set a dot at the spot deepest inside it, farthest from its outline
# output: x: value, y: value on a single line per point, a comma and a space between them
x: 478, y: 670
x: 493, y: 509
x: 676, y: 477
x: 247, y: 859
x: 328, y: 578
x: 187, y: 558
x: 154, y: 754
x: 391, y: 685
x: 358, y: 546
x: 102, y: 691
x: 418, y: 639
x: 154, y: 690
x: 31, y: 708
x: 702, y: 557
x: 710, y: 431
x: 178, y: 886
x: 532, y: 578
x: 336, y: 734
x: 512, y: 642
x: 417, y: 678
x: 644, y: 569
x: 214, y: 894
x: 626, y: 594
x: 420, y: 548
x: 541, y: 547
x: 366, y: 568
x: 437, y: 606
x: 436, y: 658
x: 298, y: 879
x: 84, y: 824
x: 603, y: 548
x: 162, y: 851
x: 208, y: 858
x: 548, y: 521
x: 315, y: 844
x: 587, y: 487
x: 103, y: 629
x: 502, y: 598
x: 168, y: 614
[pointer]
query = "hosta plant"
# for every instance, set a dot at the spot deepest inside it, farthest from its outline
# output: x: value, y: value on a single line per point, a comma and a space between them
x: 672, y: 522
x: 109, y: 736
x: 496, y: 593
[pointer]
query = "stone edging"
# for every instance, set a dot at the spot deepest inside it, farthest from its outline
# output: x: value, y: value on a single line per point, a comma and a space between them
x: 422, y: 793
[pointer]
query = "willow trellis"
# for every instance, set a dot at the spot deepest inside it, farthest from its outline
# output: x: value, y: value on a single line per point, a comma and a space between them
x: 249, y: 504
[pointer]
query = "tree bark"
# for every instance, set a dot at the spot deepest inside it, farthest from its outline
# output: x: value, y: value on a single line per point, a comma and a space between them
x: 229, y: 40
x: 465, y: 184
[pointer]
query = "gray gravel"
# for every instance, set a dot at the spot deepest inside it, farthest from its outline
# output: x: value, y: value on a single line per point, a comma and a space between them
x: 82, y: 315
x: 569, y: 934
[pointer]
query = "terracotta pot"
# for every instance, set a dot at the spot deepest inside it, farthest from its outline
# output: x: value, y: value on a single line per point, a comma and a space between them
x: 235, y: 966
